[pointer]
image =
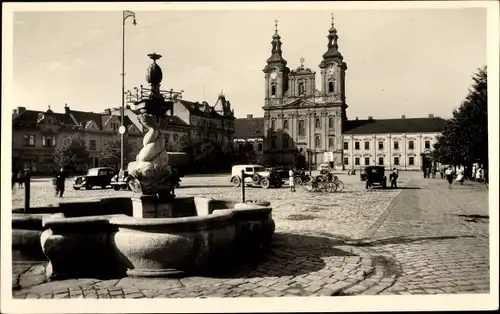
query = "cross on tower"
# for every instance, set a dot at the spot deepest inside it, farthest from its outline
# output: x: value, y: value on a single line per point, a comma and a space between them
x: 276, y: 25
x: 302, y: 61
x: 332, y: 17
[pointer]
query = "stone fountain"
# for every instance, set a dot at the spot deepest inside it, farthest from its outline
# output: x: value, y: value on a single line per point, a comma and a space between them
x: 152, y: 233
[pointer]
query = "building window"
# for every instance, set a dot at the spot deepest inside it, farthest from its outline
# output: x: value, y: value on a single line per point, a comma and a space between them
x: 380, y: 145
x: 285, y: 124
x: 44, y: 142
x: 330, y: 122
x: 317, y: 141
x: 273, y: 124
x: 411, y: 145
x: 273, y: 90
x: 260, y: 147
x: 285, y: 141
x: 427, y: 144
x: 331, y: 142
x: 54, y: 144
x: 330, y: 87
x: 93, y: 145
x: 346, y: 161
x: 29, y: 140
x: 381, y: 161
x: 396, y: 161
x: 346, y: 145
x: 302, y: 90
x: 318, y: 123
x: 367, y: 161
x: 411, y: 161
x: 396, y: 145
x: 302, y: 128
x: 356, y: 161
x: 273, y: 142
x: 367, y: 145
x: 356, y: 145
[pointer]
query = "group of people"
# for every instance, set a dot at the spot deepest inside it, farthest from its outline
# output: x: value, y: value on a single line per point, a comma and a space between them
x: 478, y: 174
x: 19, y: 178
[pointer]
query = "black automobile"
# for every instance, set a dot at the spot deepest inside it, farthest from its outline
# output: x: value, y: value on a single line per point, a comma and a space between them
x: 299, y: 176
x: 120, y: 181
x: 375, y: 177
x: 95, y: 177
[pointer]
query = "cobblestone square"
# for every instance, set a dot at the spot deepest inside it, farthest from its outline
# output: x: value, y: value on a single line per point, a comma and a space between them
x: 418, y: 239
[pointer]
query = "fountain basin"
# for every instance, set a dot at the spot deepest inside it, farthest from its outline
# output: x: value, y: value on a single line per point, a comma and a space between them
x: 194, y: 235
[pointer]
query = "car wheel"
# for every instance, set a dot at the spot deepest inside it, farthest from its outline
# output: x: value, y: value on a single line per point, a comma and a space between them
x: 76, y: 188
x: 88, y: 187
x: 297, y: 181
x: 265, y: 183
x: 103, y: 186
x: 116, y: 187
x: 256, y: 178
x: 236, y: 181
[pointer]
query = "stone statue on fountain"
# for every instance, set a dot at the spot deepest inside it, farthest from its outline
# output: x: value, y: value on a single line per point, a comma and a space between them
x: 154, y: 173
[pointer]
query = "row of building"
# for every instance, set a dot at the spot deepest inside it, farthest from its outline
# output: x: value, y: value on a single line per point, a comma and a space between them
x: 299, y: 117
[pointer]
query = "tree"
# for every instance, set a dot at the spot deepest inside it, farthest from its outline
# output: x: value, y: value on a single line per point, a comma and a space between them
x: 72, y: 152
x: 111, y: 153
x: 465, y: 137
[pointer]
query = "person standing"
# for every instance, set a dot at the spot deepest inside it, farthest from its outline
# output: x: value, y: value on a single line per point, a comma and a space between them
x: 60, y: 182
x: 291, y: 180
x: 460, y: 175
x: 394, y: 179
x: 449, y: 176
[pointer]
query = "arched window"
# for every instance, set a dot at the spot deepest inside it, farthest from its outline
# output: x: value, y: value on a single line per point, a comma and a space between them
x: 317, y: 141
x: 330, y: 123
x: 285, y: 124
x: 318, y: 123
x: 273, y: 124
x: 302, y: 89
x: 330, y: 87
x: 273, y: 90
x: 302, y: 127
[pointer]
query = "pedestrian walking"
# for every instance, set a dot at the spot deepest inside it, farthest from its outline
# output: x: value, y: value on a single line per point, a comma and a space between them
x: 291, y: 180
x: 460, y: 176
x: 478, y: 174
x: 393, y: 177
x: 441, y: 171
x: 20, y: 179
x: 60, y: 182
x: 449, y: 176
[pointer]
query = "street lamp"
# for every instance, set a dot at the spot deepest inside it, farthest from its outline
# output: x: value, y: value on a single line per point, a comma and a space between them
x: 126, y: 15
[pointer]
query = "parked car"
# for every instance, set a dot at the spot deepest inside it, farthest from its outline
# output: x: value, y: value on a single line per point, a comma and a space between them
x: 255, y: 175
x: 375, y: 177
x: 95, y: 177
x: 120, y: 181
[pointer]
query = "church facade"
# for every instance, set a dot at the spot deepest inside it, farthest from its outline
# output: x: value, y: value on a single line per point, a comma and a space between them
x: 302, y: 115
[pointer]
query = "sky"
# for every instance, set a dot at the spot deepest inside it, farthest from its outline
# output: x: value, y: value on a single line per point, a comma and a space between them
x: 413, y: 62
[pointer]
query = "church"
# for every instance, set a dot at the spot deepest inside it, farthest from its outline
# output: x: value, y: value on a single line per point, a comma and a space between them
x: 303, y: 117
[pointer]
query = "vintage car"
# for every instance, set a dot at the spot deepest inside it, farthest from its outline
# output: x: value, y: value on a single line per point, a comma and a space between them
x: 375, y: 177
x: 120, y: 181
x: 255, y: 175
x: 299, y: 176
x: 95, y: 177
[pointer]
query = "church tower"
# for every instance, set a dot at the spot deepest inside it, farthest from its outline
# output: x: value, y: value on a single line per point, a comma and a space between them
x: 276, y: 73
x: 333, y: 70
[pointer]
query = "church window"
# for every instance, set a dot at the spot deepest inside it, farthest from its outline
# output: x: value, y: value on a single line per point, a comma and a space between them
x: 285, y: 124
x: 302, y: 128
x: 330, y: 87
x: 317, y: 141
x: 331, y: 142
x: 273, y: 90
x: 330, y: 122
x: 318, y: 123
x: 301, y: 88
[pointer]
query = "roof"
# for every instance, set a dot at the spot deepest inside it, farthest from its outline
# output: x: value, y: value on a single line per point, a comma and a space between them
x: 406, y: 125
x: 249, y: 127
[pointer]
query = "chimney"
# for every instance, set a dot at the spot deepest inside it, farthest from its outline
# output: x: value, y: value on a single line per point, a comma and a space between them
x: 403, y: 116
x: 20, y: 109
x: 431, y: 115
x: 66, y: 109
x: 356, y: 118
x: 249, y: 116
x: 107, y: 111
x: 370, y: 118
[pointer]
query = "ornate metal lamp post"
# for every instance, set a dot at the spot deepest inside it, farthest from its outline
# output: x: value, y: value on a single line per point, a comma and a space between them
x: 153, y: 172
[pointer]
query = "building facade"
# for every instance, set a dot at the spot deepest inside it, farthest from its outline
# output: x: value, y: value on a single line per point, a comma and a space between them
x: 249, y: 130
x: 299, y: 118
x: 35, y: 135
x: 297, y: 115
